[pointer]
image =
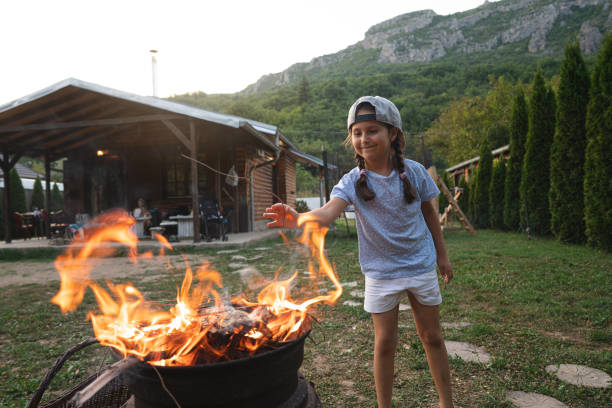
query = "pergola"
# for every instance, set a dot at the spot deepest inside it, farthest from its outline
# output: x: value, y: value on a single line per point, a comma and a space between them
x: 75, y: 116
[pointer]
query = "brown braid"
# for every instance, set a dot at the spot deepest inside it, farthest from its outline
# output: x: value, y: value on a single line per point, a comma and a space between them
x: 409, y: 193
x: 361, y: 186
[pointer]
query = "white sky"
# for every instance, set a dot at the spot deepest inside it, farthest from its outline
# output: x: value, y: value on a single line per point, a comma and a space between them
x: 217, y: 46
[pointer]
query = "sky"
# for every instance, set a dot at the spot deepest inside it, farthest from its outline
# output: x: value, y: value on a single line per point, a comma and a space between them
x: 218, y: 46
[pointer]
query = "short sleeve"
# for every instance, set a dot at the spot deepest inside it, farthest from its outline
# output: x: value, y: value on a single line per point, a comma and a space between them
x: 345, y: 189
x: 427, y: 187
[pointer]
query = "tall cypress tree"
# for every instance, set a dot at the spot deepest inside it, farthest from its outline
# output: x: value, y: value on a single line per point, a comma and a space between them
x: 535, y: 177
x: 464, y: 198
x: 57, y: 199
x: 598, y: 163
x: 496, y: 194
x: 483, y: 183
x: 566, y: 198
x: 38, y: 197
x: 519, y: 125
x: 18, y: 198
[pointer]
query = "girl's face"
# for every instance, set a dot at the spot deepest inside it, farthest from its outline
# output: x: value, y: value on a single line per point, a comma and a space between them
x: 372, y: 139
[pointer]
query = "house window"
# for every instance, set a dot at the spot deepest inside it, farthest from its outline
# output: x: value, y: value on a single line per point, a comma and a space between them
x: 177, y: 176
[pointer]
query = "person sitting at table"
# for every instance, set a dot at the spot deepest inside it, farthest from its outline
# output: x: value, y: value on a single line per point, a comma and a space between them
x: 142, y: 211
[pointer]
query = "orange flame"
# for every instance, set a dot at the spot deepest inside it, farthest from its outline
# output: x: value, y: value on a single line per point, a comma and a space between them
x: 200, y: 327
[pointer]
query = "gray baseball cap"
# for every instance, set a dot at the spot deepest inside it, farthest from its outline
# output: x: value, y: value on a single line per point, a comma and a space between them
x: 385, y: 111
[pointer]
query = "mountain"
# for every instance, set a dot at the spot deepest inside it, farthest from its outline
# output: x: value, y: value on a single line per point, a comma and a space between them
x: 530, y: 28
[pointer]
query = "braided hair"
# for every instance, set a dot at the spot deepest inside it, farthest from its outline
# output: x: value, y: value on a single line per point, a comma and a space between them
x: 361, y: 185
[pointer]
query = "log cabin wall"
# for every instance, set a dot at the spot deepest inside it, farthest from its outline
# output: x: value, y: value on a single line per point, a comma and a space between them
x: 262, y: 191
x: 286, y: 175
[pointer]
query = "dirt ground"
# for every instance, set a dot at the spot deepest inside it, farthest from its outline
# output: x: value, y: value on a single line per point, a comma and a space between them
x: 23, y: 272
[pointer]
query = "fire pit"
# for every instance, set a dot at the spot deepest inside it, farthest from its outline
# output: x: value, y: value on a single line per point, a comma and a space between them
x: 205, y: 350
x: 266, y: 380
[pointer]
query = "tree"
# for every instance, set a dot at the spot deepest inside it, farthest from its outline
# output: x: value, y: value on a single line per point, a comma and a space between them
x: 566, y: 197
x: 518, y: 135
x: 496, y: 194
x: 38, y: 197
x: 464, y: 198
x: 17, y: 201
x: 57, y: 199
x: 483, y: 182
x: 303, y: 91
x: 535, y: 177
x: 598, y: 161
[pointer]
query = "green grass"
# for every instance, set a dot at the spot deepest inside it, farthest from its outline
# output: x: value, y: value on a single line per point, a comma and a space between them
x: 531, y: 303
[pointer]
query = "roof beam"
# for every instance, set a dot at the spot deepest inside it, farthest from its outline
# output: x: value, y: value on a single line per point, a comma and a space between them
x: 88, y: 123
x: 177, y: 132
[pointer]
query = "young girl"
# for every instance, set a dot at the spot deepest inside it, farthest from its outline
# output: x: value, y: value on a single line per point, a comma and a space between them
x: 400, y: 239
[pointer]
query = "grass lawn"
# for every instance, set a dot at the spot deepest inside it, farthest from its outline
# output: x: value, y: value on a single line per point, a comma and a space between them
x: 530, y: 304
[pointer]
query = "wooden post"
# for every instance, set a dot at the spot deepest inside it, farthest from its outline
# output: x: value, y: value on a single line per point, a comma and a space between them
x: 7, y: 209
x: 47, y: 196
x: 194, y: 182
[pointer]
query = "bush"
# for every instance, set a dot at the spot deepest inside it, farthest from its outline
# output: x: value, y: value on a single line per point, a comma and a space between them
x: 301, y: 206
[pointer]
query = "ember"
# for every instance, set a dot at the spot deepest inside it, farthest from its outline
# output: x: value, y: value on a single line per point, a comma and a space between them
x: 201, y: 328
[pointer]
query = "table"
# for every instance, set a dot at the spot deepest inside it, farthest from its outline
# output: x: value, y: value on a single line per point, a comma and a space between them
x: 185, y: 225
x: 138, y: 228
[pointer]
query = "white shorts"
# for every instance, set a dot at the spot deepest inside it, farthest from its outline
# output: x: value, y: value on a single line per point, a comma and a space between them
x: 382, y: 295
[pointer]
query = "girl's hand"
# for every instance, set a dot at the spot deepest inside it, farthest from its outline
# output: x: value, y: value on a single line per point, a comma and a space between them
x: 282, y: 216
x: 446, y: 269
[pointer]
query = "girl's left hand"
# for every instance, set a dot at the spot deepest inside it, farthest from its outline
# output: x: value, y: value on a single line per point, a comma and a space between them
x: 446, y: 270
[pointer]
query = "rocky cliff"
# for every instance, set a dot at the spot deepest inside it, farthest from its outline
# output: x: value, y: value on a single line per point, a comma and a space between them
x: 536, y: 27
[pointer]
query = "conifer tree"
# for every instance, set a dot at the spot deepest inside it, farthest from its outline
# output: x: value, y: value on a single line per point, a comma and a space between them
x: 483, y: 183
x: 518, y: 135
x: 38, y: 197
x: 566, y: 198
x: 496, y: 194
x: 57, y: 199
x: 598, y: 161
x: 535, y: 177
x: 464, y: 198
x: 18, y: 198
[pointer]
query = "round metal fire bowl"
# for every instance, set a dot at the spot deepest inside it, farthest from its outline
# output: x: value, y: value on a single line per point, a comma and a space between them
x: 264, y: 380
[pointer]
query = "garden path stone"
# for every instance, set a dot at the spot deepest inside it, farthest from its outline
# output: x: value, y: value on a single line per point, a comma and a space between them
x: 247, y: 273
x: 349, y: 284
x: 262, y: 248
x: 358, y: 293
x: 227, y: 251
x: 455, y: 325
x: 580, y: 375
x: 533, y: 400
x: 236, y: 265
x: 239, y: 258
x: 351, y: 303
x: 467, y: 351
x: 403, y: 307
x: 256, y: 257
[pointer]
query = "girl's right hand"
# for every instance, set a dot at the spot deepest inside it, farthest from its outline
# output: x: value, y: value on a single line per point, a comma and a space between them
x: 282, y: 216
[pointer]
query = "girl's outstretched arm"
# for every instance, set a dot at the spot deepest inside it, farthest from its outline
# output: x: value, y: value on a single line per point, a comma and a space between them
x: 433, y: 223
x: 286, y: 217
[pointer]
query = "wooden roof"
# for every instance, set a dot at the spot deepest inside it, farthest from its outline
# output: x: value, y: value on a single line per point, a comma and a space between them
x: 73, y: 114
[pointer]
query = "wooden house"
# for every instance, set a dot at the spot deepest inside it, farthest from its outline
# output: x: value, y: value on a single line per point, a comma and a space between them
x: 118, y: 147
